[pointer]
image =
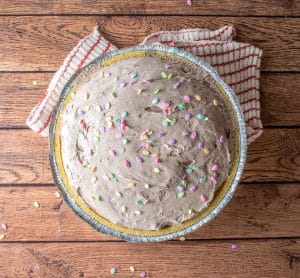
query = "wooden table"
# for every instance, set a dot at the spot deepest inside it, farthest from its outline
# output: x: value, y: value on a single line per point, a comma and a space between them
x: 263, y: 217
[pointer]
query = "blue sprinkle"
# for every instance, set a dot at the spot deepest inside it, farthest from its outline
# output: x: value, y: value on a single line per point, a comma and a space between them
x: 202, y: 179
x: 124, y: 114
x: 174, y: 50
x: 117, y: 121
x: 201, y: 116
x: 165, y: 123
x: 125, y: 141
x: 155, y: 101
x: 180, y: 188
x: 189, y: 170
x: 133, y: 74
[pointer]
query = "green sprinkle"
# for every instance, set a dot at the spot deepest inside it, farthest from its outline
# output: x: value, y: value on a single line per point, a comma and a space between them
x: 155, y: 101
x: 164, y: 75
x: 180, y: 194
x: 125, y: 141
x: 96, y: 138
x: 139, y: 202
x: 118, y: 194
x: 202, y: 179
x: 156, y: 91
x: 189, y: 170
x: 184, y: 182
x: 113, y: 270
x: 80, y: 131
x: 100, y: 198
x: 201, y: 116
x: 174, y: 121
x: 124, y: 114
x: 156, y: 170
x: 114, y: 94
x: 111, y: 175
x: 134, y: 74
x: 181, y: 106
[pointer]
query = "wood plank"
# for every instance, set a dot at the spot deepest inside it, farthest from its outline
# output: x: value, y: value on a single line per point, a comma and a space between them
x: 273, y: 157
x: 199, y: 7
x: 280, y: 97
x: 252, y: 258
x: 256, y: 211
x: 50, y: 38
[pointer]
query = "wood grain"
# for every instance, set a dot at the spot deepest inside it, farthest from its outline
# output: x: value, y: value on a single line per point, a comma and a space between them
x: 280, y: 97
x: 275, y: 156
x: 252, y: 258
x: 51, y: 38
x: 256, y: 211
x: 199, y: 7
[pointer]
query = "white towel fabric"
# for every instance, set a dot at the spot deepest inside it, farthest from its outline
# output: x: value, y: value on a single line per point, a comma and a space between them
x: 237, y: 63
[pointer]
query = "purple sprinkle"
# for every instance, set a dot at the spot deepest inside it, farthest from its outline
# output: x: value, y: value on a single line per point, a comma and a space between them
x: 102, y: 129
x: 143, y: 274
x: 234, y: 246
x: 176, y: 85
x: 167, y: 66
x: 102, y: 107
x: 139, y: 159
x: 112, y: 152
x: 221, y: 139
x: 200, y: 145
x: 80, y: 113
x: 193, y: 188
x: 123, y: 84
x: 147, y: 81
x: 185, y: 133
x: 172, y: 141
x: 132, y: 82
x: 4, y: 226
x: 161, y: 134
x: 187, y: 116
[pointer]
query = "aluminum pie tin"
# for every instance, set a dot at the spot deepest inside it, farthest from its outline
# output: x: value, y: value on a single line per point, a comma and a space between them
x: 100, y: 223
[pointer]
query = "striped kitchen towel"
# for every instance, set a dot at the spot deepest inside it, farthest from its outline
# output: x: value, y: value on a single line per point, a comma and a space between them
x: 237, y: 63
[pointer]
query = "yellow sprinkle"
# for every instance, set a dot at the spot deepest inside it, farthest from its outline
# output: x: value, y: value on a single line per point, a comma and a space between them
x: 146, y: 152
x: 57, y: 194
x: 36, y: 204
x: 2, y: 236
x: 144, y: 137
x: 170, y: 76
x: 215, y: 102
x: 182, y: 238
x: 93, y: 179
x: 123, y: 209
x: 157, y: 154
x: 156, y: 91
x: 147, y: 185
x: 137, y: 212
x: 139, y: 91
x: 101, y: 74
x: 197, y: 97
x: 94, y: 169
x: 206, y: 150
x: 132, y: 269
x: 131, y: 185
x: 156, y: 170
x: 34, y: 82
x: 109, y: 118
x: 150, y: 132
x: 190, y: 212
x: 109, y: 124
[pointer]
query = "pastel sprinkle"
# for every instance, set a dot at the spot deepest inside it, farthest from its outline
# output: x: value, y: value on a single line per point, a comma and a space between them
x: 114, y: 94
x: 176, y: 85
x: 215, y: 102
x: 107, y: 105
x: 139, y: 202
x: 112, y: 152
x: 2, y: 236
x: 123, y: 124
x: 93, y: 179
x: 119, y: 135
x: 161, y: 134
x: 165, y: 105
x: 180, y: 195
x: 134, y: 74
x: 174, y: 50
x: 189, y: 2
x: 131, y: 185
x: 203, y: 198
x: 185, y: 133
x: 107, y: 74
x: 34, y: 82
x: 57, y: 194
x: 155, y: 101
x: 174, y: 121
x: 167, y: 66
x: 221, y: 139
x: 170, y: 76
x: 194, y: 135
x: 197, y: 97
x: 113, y: 270
x: 147, y: 81
x: 143, y: 274
x: 132, y: 269
x: 206, y: 151
x: 181, y: 106
x: 234, y: 246
x: 189, y: 170
x: 214, y: 167
x: 200, y: 145
x: 202, y: 179
x: 164, y: 75
x: 193, y: 188
x: 117, y: 121
x: 146, y: 185
x: 180, y: 188
x: 201, y: 116
x: 182, y: 238
x: 187, y: 116
x: 165, y: 123
x: 156, y: 170
x: 145, y: 152
x: 102, y: 129
x: 157, y: 160
x: 123, y: 84
x: 118, y: 194
x: 187, y: 98
x: 137, y: 212
x: 172, y: 141
x: 124, y: 114
x: 190, y: 212
x: 156, y: 91
x: 213, y: 179
x: 127, y: 163
x: 4, y: 226
x: 123, y: 209
x: 36, y: 204
x: 139, y: 159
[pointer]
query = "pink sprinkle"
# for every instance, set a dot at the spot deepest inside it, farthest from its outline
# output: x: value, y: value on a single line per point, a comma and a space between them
x: 127, y: 163
x: 4, y: 226
x: 119, y: 135
x: 139, y: 159
x: 176, y: 85
x: 189, y: 2
x: 185, y: 177
x: 187, y: 98
x: 143, y: 274
x: 193, y: 188
x: 234, y: 246
x: 123, y: 124
x: 172, y: 141
x: 194, y: 135
x: 112, y: 152
x: 166, y: 105
x: 167, y: 66
x: 105, y: 177
x: 107, y: 74
x: 157, y: 160
x: 84, y: 126
x: 213, y: 179
x: 221, y: 139
x: 215, y: 167
x: 187, y: 116
x: 147, y: 81
x: 123, y: 84
x: 200, y: 145
x: 203, y: 198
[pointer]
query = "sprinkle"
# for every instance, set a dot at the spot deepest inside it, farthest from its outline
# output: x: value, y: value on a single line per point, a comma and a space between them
x: 215, y: 102
x: 123, y: 209
x: 206, y: 151
x: 213, y: 179
x: 107, y: 105
x: 187, y: 116
x: 156, y: 91
x: 181, y: 106
x: 165, y: 105
x: 139, y: 202
x: 161, y: 134
x: 137, y: 212
x: 116, y: 78
x: 182, y: 238
x: 102, y: 129
x: 143, y: 274
x: 124, y: 114
x: 117, y: 121
x: 157, y: 160
x: 134, y: 74
x: 118, y: 194
x: 194, y: 134
x: 189, y: 170
x: 93, y: 179
x: 34, y: 82
x: 180, y: 188
x: 234, y: 246
x: 201, y: 116
x: 139, y: 159
x: 202, y: 179
x: 112, y: 152
x: 2, y: 236
x: 155, y: 101
x: 146, y: 185
x: 156, y: 170
x: 174, y: 121
x: 127, y: 163
x: 123, y: 124
x: 110, y: 125
x: 114, y: 94
x: 197, y: 97
x: 167, y: 66
x: 189, y: 2
x: 96, y: 139
x: 185, y: 133
x: 123, y: 84
x: 180, y: 195
x: 4, y: 226
x: 190, y: 212
x: 164, y: 75
x: 119, y: 135
x: 172, y: 141
x: 101, y: 74
x: 193, y: 188
x: 147, y: 81
x: 215, y: 167
x: 170, y: 76
x: 113, y: 270
x: 200, y: 145
x: 203, y: 198
x: 187, y: 98
x: 145, y: 152
x: 132, y: 269
x: 94, y: 169
x: 157, y: 154
x: 174, y: 50
x: 131, y: 185
x: 107, y: 74
x: 57, y: 194
x: 36, y: 204
x: 221, y: 139
x: 177, y: 85
x: 111, y: 176
x: 165, y: 123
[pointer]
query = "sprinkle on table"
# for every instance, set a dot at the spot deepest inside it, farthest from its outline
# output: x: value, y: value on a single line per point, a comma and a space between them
x: 147, y: 186
x: 164, y: 75
x: 234, y: 246
x: 57, y: 194
x: 2, y: 236
x: 156, y: 170
x: 124, y: 114
x: 187, y: 98
x: 213, y: 179
x: 124, y: 209
x: 114, y: 94
x: 127, y: 163
x: 134, y: 74
x: 4, y: 226
x: 180, y: 195
x: 194, y: 135
x: 172, y: 141
x: 215, y: 167
x: 138, y: 159
x: 187, y: 116
x: 132, y: 268
x: 189, y: 2
x: 221, y: 139
x: 34, y: 82
x: 112, y: 152
x: 193, y: 188
x: 139, y: 202
x: 202, y: 179
x: 113, y: 270
x: 185, y: 133
x: 155, y: 100
x: 176, y: 85
x: 137, y: 212
x: 201, y: 116
x: 215, y: 102
x: 156, y: 91
x: 182, y: 238
x: 206, y: 151
x: 197, y: 97
x: 143, y: 274
x: 36, y: 204
x: 118, y: 194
